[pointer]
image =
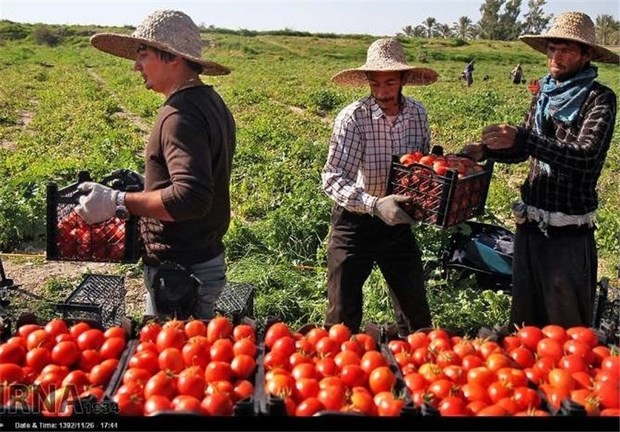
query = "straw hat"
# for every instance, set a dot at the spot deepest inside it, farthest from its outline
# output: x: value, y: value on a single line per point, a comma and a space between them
x: 168, y: 30
x: 576, y: 27
x: 386, y: 55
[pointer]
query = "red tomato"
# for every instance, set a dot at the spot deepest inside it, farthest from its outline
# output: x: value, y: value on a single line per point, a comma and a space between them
x: 339, y: 333
x: 452, y: 406
x: 170, y: 337
x: 551, y: 348
x: 100, y: 374
x: 218, y: 371
x: 149, y: 332
x: 244, y: 331
x: 39, y: 338
x: 583, y: 334
x: 243, y: 366
x: 156, y: 404
x: 309, y: 407
x: 275, y: 332
x: 530, y: 336
x: 12, y: 353
x: 191, y: 383
x: 171, y: 360
x: 195, y: 327
x: 526, y: 398
x: 65, y: 353
x: 381, y: 379
x: 242, y: 390
x: 90, y: 339
x: 112, y: 347
x: 56, y: 327
x: 37, y: 358
x: 372, y: 360
x: 333, y: 397
x: 353, y: 375
x: 522, y: 356
x: 555, y: 332
x: 222, y: 350
x: 115, y: 331
x: 608, y: 393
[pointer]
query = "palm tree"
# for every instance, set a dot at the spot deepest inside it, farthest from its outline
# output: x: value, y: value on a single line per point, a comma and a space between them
x: 462, y: 28
x: 607, y: 29
x: 430, y: 24
x: 444, y: 30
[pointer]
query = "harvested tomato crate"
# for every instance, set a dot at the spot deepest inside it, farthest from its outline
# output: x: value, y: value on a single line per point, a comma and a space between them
x: 442, y: 200
x: 70, y: 238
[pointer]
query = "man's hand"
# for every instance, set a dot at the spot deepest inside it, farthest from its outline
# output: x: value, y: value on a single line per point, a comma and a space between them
x: 474, y: 151
x: 389, y: 211
x: 499, y: 136
x: 98, y: 205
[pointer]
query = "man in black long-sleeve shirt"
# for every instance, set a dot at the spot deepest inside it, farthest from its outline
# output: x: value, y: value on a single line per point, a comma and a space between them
x: 566, y: 136
x: 185, y: 207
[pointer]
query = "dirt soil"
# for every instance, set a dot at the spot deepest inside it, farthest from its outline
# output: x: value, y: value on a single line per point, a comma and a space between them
x: 34, y: 273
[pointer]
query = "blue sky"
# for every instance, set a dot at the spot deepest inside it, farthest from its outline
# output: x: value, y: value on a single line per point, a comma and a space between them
x: 332, y: 16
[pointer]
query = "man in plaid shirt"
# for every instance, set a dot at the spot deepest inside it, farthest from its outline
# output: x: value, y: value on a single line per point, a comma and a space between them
x: 566, y: 137
x: 368, y: 226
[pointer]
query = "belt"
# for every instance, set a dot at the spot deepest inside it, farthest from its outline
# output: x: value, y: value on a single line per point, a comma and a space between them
x: 544, y: 219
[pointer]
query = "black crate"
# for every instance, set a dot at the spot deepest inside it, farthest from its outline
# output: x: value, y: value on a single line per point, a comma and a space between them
x: 98, y: 298
x: 69, y: 238
x: 236, y: 301
x: 442, y: 200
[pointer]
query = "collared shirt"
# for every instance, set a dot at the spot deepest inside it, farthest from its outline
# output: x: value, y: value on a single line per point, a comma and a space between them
x: 566, y: 161
x: 362, y: 144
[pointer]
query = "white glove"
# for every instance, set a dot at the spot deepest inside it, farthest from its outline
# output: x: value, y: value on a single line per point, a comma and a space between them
x: 98, y: 205
x: 390, y: 212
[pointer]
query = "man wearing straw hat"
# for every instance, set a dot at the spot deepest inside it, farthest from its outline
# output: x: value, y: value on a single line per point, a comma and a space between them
x: 185, y: 207
x: 368, y: 226
x: 566, y: 136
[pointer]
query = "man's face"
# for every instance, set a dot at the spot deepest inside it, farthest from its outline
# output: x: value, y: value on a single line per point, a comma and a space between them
x: 386, y: 88
x: 565, y: 59
x: 152, y: 68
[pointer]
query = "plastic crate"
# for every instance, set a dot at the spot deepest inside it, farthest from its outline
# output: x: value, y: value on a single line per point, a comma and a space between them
x: 438, y: 199
x: 98, y: 298
x: 236, y: 301
x: 69, y: 238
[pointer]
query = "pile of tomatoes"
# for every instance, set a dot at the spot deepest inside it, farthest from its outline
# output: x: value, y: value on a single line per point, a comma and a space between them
x: 189, y: 366
x: 43, y: 368
x: 528, y: 373
x: 424, y: 179
x: 329, y: 370
x: 76, y: 240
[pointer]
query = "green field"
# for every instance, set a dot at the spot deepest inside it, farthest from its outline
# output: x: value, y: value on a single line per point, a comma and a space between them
x: 70, y: 107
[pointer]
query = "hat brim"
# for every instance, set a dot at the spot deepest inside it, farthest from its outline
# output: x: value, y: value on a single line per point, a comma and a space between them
x: 414, y: 75
x: 127, y: 46
x: 600, y: 53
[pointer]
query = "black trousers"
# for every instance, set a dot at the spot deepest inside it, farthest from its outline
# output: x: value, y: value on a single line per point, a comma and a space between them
x: 356, y: 243
x: 554, y: 278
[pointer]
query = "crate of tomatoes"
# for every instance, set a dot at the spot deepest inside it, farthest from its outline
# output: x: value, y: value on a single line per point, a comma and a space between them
x: 445, y: 190
x: 70, y: 238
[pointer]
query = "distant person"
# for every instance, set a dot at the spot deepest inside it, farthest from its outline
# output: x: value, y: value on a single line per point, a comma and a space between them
x: 185, y: 207
x: 468, y: 73
x: 368, y: 226
x: 566, y: 136
x: 517, y: 74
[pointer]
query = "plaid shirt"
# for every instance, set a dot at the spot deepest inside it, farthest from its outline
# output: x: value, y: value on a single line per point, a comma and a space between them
x: 567, y: 160
x: 361, y: 148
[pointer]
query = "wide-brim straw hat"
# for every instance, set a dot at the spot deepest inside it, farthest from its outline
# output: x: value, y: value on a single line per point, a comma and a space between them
x: 386, y: 55
x: 575, y: 27
x: 168, y: 30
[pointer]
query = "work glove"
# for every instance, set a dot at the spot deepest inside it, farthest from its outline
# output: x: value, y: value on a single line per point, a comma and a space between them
x: 98, y: 205
x: 390, y: 212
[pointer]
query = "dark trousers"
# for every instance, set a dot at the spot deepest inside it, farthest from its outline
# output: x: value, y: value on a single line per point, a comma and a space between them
x: 356, y: 243
x: 554, y: 278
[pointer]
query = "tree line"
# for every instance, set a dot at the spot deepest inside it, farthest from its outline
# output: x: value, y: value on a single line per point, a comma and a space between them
x: 500, y: 21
